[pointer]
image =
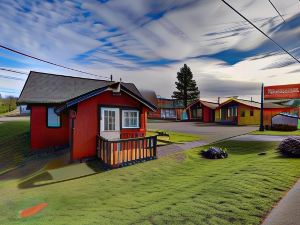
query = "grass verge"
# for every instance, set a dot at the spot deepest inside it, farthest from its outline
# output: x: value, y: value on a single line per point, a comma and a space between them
x: 14, y: 143
x: 174, y: 137
x: 238, y: 190
x: 277, y: 133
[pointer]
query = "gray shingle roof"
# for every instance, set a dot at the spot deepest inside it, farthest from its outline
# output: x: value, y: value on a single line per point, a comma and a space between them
x: 211, y: 105
x: 242, y: 101
x: 150, y: 96
x: 44, y: 88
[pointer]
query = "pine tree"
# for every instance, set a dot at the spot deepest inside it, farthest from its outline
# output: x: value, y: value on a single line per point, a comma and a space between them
x: 186, y: 86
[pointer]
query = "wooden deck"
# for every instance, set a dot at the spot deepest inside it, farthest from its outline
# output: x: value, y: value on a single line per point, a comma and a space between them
x: 124, y: 152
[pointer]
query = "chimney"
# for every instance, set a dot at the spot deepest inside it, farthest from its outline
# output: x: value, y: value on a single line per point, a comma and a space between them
x: 251, y: 99
x: 219, y: 100
x: 111, y: 77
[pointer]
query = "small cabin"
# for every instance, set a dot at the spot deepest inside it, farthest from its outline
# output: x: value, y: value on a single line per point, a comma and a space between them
x: 238, y: 112
x: 91, y: 117
x: 202, y: 111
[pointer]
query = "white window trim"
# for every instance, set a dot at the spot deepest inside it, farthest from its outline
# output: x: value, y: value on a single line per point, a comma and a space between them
x: 102, y: 122
x: 123, y: 118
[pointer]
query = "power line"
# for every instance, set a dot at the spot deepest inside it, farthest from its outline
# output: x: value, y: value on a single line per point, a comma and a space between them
x: 10, y: 77
x: 276, y: 10
x: 13, y: 71
x: 45, y: 61
x: 271, y: 39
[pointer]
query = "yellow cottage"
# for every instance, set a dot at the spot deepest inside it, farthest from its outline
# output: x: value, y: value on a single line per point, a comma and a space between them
x: 238, y: 112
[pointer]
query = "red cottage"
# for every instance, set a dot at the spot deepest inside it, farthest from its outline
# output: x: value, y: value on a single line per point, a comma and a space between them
x: 88, y: 114
x: 203, y: 111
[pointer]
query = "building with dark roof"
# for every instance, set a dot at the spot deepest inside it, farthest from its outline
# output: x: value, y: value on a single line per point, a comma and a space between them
x: 167, y: 109
x: 72, y: 111
x: 202, y: 111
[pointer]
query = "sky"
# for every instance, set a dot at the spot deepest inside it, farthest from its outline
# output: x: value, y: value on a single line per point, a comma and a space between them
x: 147, y: 41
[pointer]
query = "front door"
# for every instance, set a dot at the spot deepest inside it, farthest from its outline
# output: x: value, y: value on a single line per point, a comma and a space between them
x: 110, y: 123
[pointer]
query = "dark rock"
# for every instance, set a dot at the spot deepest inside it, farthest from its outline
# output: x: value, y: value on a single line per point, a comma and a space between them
x: 215, y: 153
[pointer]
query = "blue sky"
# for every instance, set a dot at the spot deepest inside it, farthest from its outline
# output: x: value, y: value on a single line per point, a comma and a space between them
x: 146, y: 42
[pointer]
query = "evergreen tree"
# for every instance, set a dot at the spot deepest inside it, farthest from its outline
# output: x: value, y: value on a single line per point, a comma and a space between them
x: 186, y: 86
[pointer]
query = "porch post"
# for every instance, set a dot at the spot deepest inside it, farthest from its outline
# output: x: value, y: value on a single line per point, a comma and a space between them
x: 72, y: 117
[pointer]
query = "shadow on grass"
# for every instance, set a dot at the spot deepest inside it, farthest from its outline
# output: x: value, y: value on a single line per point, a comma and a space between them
x: 281, y: 156
x: 246, y: 147
x: 37, y: 181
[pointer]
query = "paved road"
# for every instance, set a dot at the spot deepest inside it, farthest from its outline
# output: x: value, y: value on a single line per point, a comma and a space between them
x: 209, y: 132
x: 287, y: 212
x: 13, y: 118
x: 249, y: 137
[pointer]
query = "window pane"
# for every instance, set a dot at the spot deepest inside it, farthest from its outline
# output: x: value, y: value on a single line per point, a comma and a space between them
x: 126, y: 122
x: 53, y: 119
x: 130, y: 119
x: 109, y: 120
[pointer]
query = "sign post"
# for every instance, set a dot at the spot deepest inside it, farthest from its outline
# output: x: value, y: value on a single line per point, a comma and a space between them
x: 261, y: 127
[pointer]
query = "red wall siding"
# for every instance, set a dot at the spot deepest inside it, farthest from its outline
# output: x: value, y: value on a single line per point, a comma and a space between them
x: 87, y: 121
x: 154, y: 115
x: 41, y: 136
x: 206, y: 114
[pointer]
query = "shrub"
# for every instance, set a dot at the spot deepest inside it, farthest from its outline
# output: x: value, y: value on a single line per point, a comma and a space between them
x: 214, y: 153
x: 267, y: 127
x: 290, y: 147
x: 283, y: 127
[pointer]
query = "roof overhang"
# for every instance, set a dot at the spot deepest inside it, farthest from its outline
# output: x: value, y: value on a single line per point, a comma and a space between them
x: 205, y: 103
x: 116, y: 87
x: 237, y: 101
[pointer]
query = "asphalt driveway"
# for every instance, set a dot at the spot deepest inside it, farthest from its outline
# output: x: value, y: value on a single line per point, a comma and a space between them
x: 13, y: 118
x: 209, y: 132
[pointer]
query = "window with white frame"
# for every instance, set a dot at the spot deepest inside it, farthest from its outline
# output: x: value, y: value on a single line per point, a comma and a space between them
x: 232, y: 111
x: 53, y: 120
x: 130, y: 119
x: 109, y: 120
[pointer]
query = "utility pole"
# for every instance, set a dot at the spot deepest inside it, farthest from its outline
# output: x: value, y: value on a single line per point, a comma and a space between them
x: 261, y: 127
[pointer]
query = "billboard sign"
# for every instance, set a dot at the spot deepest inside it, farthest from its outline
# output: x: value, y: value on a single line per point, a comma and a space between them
x: 290, y: 91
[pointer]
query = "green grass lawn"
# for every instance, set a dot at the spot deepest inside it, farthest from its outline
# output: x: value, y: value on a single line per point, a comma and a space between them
x: 179, y: 189
x: 14, y: 143
x: 277, y: 133
x: 175, y: 137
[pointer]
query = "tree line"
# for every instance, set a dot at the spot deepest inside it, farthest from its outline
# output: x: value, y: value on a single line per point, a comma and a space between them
x: 7, y: 104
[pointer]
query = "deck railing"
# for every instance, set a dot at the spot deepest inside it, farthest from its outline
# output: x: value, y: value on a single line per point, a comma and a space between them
x: 123, y: 152
x: 127, y: 135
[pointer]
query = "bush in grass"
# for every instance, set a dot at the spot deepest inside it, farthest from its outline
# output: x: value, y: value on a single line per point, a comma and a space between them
x: 290, y: 147
x: 283, y: 127
x: 215, y: 153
